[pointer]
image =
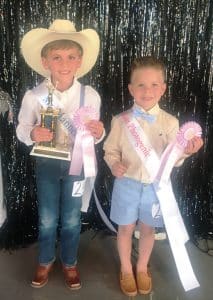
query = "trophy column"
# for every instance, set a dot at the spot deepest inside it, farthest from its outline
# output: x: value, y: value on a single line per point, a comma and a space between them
x: 50, y: 119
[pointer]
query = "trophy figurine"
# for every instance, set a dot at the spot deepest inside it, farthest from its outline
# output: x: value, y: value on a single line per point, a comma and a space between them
x: 50, y: 119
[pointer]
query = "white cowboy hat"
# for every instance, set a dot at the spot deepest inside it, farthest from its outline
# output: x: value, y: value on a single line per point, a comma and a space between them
x: 34, y: 40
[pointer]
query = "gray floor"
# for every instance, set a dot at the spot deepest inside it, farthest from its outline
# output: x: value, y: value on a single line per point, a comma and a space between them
x: 99, y: 268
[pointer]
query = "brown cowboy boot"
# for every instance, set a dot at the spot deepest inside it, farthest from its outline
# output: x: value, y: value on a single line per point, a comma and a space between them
x: 72, y: 278
x: 41, y: 276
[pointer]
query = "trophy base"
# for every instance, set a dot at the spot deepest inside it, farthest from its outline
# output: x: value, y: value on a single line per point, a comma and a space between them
x: 50, y: 153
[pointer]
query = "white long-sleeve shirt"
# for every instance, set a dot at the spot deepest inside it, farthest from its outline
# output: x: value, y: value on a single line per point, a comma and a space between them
x: 68, y: 101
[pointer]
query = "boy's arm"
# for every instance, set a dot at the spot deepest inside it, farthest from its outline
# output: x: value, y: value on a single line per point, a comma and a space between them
x: 27, y: 119
x: 112, y: 144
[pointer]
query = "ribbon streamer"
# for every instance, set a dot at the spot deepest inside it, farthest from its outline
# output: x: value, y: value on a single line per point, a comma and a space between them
x: 83, y: 151
x: 102, y: 213
x: 88, y: 152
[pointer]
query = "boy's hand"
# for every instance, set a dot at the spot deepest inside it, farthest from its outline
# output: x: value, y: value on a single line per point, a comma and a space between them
x: 194, y: 145
x: 96, y: 128
x: 40, y: 134
x: 118, y: 169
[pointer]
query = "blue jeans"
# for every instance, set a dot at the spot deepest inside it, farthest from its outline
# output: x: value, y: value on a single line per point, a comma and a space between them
x: 57, y: 208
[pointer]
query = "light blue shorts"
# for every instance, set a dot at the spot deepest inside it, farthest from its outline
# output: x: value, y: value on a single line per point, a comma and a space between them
x: 133, y: 201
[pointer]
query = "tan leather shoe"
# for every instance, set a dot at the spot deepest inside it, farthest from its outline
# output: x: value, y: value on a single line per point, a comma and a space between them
x: 144, y: 283
x: 128, y: 284
x: 72, y: 278
x: 41, y: 276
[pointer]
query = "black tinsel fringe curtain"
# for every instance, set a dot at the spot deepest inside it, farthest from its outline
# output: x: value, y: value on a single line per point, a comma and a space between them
x: 180, y: 32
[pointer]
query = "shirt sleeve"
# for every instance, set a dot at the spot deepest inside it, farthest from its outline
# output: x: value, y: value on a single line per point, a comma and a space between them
x: 112, y: 144
x: 27, y: 118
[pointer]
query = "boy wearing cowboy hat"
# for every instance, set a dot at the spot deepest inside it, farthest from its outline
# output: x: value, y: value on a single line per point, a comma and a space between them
x: 62, y: 55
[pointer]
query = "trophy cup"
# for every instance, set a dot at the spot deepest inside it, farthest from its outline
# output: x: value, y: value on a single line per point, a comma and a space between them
x: 50, y: 119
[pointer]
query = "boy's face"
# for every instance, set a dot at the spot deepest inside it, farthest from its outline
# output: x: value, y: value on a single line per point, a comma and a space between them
x: 63, y: 65
x: 147, y: 86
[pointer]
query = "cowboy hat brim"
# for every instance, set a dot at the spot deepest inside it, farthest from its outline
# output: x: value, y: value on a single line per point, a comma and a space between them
x: 34, y: 40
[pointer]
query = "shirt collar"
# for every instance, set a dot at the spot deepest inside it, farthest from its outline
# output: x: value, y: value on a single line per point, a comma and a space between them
x: 153, y: 111
x: 70, y: 91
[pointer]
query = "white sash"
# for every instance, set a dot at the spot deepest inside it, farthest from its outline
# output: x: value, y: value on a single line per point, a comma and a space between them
x: 159, y: 171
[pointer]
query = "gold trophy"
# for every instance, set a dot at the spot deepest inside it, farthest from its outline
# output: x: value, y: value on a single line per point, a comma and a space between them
x: 50, y: 119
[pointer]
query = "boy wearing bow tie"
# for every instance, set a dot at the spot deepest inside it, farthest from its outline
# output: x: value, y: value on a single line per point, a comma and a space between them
x: 134, y: 198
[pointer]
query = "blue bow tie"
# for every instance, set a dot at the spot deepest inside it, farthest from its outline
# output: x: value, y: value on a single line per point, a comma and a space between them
x: 140, y: 114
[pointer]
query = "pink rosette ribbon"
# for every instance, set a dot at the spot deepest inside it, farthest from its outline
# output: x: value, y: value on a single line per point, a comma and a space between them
x: 83, y: 115
x: 187, y: 131
x: 83, y: 150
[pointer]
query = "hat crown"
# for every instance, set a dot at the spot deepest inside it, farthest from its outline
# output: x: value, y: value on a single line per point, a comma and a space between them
x: 62, y: 26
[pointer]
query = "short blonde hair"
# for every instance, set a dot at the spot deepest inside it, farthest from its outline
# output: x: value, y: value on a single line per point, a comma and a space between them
x: 146, y: 62
x: 60, y: 44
